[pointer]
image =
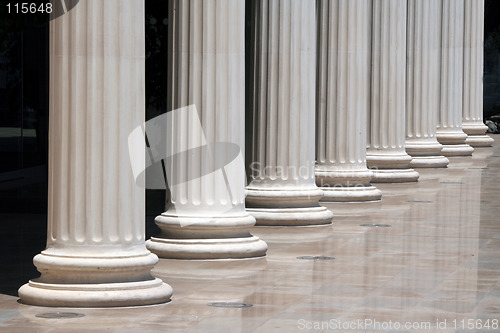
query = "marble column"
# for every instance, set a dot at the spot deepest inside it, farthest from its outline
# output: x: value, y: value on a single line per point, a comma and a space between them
x: 472, y: 120
x: 449, y: 129
x: 422, y: 83
x: 282, y: 188
x: 343, y: 100
x: 95, y: 255
x: 386, y: 154
x: 205, y: 217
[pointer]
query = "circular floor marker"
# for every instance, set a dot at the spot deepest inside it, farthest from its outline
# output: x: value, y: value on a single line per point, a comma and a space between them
x: 230, y: 305
x: 60, y: 315
x: 376, y: 225
x: 315, y: 258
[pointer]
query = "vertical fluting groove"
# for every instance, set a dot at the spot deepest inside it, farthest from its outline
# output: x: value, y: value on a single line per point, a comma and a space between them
x: 472, y: 112
x: 205, y: 70
x: 452, y: 65
x: 422, y: 80
x: 284, y: 87
x: 387, y: 119
x: 473, y: 61
x: 343, y: 75
x: 96, y: 82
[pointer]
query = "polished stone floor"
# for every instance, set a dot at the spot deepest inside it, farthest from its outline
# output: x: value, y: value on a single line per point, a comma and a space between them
x: 435, y: 256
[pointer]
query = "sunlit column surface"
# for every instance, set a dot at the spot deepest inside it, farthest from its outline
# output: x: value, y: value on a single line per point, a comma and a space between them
x: 422, y: 83
x: 472, y: 119
x: 95, y: 253
x: 449, y: 129
x: 205, y: 217
x: 343, y: 100
x: 386, y: 153
x: 282, y: 188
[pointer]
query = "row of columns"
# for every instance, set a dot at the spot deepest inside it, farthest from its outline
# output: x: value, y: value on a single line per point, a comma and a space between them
x: 340, y: 94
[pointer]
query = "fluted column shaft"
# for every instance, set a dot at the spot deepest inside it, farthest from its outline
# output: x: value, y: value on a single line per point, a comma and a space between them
x: 95, y: 255
x: 205, y: 216
x: 343, y: 100
x: 386, y: 153
x: 472, y: 118
x: 449, y: 129
x: 422, y: 83
x: 282, y: 188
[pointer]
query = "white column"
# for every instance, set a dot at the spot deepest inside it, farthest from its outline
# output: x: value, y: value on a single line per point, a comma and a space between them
x: 95, y: 253
x: 205, y: 216
x: 282, y: 188
x: 386, y: 154
x: 472, y: 118
x: 449, y: 129
x: 422, y: 83
x: 343, y: 100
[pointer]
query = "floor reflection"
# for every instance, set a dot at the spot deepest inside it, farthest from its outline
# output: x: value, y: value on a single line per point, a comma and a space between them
x: 439, y: 260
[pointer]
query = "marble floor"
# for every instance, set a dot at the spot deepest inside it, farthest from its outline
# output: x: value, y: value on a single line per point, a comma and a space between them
x: 432, y: 264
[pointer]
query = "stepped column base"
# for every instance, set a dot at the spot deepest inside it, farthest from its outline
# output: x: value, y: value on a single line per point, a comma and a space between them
x: 391, y: 168
x: 346, y: 185
x: 426, y: 154
x: 206, y: 238
x: 69, y: 281
x: 454, y: 144
x: 287, y: 207
x: 476, y: 135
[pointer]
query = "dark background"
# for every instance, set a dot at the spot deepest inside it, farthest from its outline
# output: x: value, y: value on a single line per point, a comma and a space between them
x: 491, y: 95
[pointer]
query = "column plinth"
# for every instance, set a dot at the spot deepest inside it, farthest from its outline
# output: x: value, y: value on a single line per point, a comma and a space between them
x: 476, y: 136
x: 472, y: 120
x: 219, y: 237
x: 422, y: 84
x: 96, y: 255
x: 449, y: 130
x: 282, y: 188
x: 386, y: 155
x: 77, y: 279
x: 205, y: 216
x: 342, y: 101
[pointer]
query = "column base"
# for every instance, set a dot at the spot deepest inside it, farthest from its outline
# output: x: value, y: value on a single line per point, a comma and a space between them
x: 394, y: 176
x: 204, y: 237
x: 429, y: 162
x: 351, y: 194
x: 454, y: 143
x: 457, y: 150
x: 479, y: 141
x: 219, y: 248
x: 80, y: 277
x: 349, y: 185
x: 474, y: 127
x: 425, y: 153
x: 391, y: 167
x: 287, y: 207
x: 95, y: 295
x: 291, y: 216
